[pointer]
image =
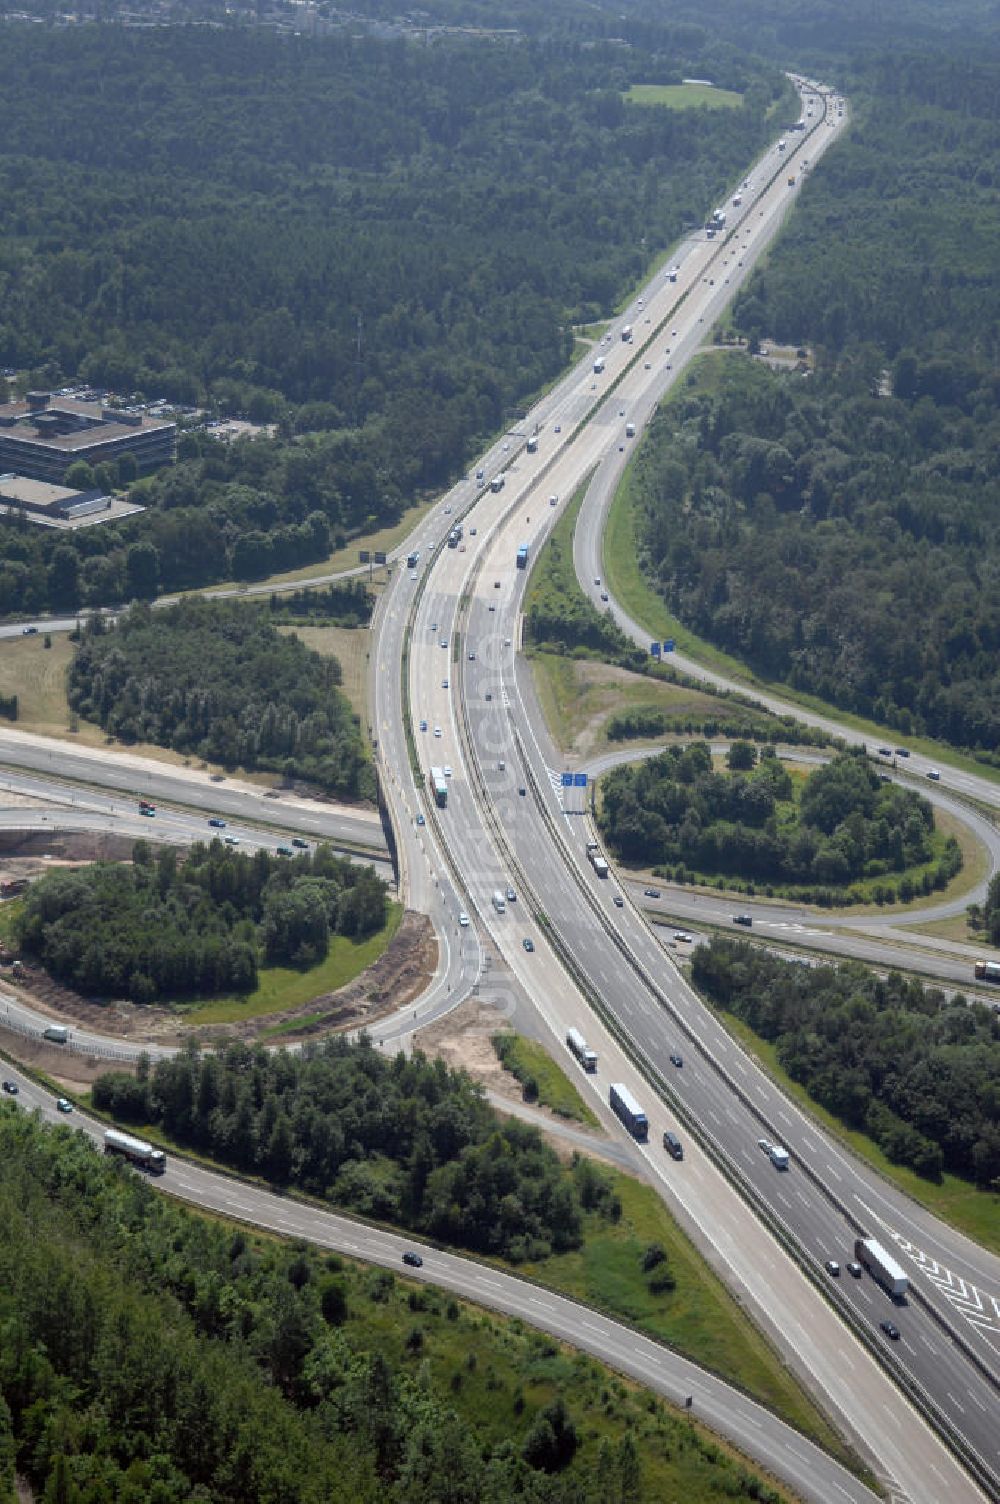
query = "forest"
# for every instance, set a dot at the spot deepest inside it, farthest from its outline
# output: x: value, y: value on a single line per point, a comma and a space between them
x: 842, y: 823
x: 840, y: 533
x: 216, y: 679
x: 406, y: 1141
x: 380, y: 248
x: 916, y: 1071
x: 172, y: 927
x: 152, y: 1354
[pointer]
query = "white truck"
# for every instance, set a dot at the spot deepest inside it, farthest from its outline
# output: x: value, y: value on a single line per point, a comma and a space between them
x: 630, y: 430
x: 135, y: 1150
x: 599, y: 365
x: 881, y: 1266
x: 586, y: 1056
x: 56, y: 1033
x: 778, y: 1156
x: 598, y: 863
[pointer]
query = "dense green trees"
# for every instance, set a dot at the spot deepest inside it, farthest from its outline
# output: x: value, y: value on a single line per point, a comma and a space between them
x: 217, y: 679
x: 150, y: 1354
x: 840, y: 533
x: 845, y: 823
x: 402, y: 1140
x: 916, y: 1071
x: 163, y: 929
x: 381, y: 249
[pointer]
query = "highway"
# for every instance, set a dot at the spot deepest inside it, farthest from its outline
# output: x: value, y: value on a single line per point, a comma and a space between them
x: 454, y: 629
x: 800, y: 1464
x: 460, y: 641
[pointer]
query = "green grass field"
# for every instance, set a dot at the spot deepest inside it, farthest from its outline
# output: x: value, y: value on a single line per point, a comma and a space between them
x: 683, y: 96
x: 529, y: 1061
x: 976, y: 1213
x: 281, y: 987
x: 351, y: 646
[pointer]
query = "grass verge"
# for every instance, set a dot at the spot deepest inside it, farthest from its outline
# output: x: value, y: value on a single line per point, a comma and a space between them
x: 350, y: 645
x: 282, y: 987
x: 543, y: 1081
x: 698, y: 1316
x: 955, y: 1201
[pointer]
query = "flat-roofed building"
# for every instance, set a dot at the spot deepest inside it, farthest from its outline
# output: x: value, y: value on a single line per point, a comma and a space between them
x: 43, y: 436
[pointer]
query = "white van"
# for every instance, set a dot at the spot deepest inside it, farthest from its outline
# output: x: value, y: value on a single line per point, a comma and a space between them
x: 499, y: 902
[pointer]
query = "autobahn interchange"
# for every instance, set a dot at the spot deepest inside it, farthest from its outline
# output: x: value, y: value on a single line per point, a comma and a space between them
x: 491, y: 833
x: 453, y: 618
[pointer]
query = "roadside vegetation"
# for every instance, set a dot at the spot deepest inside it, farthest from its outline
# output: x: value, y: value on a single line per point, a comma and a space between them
x: 541, y: 1079
x: 410, y: 1143
x: 561, y: 623
x: 151, y: 1352
x: 170, y: 929
x: 913, y: 1070
x: 838, y: 834
x: 217, y: 680
x: 683, y: 96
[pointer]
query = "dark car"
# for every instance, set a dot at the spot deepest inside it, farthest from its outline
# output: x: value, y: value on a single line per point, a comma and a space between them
x: 413, y: 1259
x: 745, y: 919
x: 902, y: 752
x: 675, y: 1059
x: 528, y: 943
x: 300, y: 843
x: 148, y: 811
x: 832, y: 1267
x: 618, y: 901
x: 284, y: 851
x: 891, y: 1330
x: 522, y: 791
x: 10, y: 1087
x: 651, y: 892
x: 854, y: 1270
x: 29, y: 631
x: 217, y: 823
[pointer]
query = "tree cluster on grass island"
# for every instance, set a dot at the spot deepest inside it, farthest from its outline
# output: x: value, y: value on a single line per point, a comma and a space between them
x: 168, y: 928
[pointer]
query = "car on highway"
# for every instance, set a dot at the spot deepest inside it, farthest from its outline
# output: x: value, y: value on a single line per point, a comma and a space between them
x: 934, y: 775
x: 149, y: 813
x: 675, y: 1059
x: 511, y: 895
x: 522, y: 791
x: 902, y: 752
x: 421, y: 820
x: 855, y: 1270
x: 63, y: 1105
x: 832, y: 1267
x: 604, y: 595
x: 597, y: 579
x: 492, y: 606
x: 463, y: 919
x: 10, y: 1087
x: 284, y: 851
x: 489, y: 695
x: 745, y: 919
x: 437, y: 730
x: 216, y: 823
x: 232, y: 840
x: 885, y: 751
x: 496, y: 584
x: 423, y: 725
x: 472, y: 657
x: 413, y: 574
x: 765, y: 1144
x: 683, y: 936
x: 673, y: 334
x: 413, y: 1259
x: 891, y: 1330
x: 444, y: 683
x: 528, y: 943
x: 558, y: 428
x: 446, y: 770
x: 653, y: 893
x: 444, y: 642
x: 618, y: 901
x: 301, y: 843
x: 29, y: 631
x: 473, y: 531
x: 553, y: 501
x: 506, y: 642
